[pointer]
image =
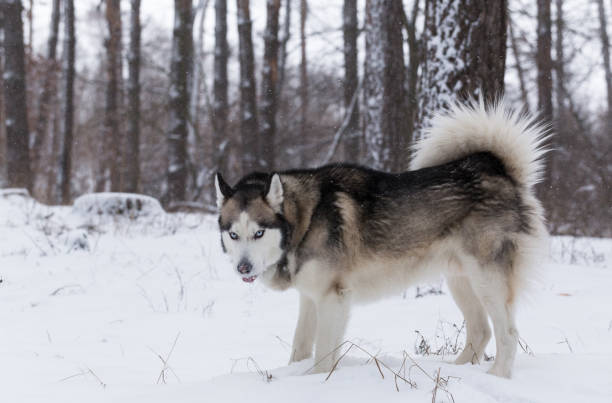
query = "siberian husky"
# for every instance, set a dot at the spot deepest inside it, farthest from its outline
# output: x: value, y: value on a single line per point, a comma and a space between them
x: 342, y: 234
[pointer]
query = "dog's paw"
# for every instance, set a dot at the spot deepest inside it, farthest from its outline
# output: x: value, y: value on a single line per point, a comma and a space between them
x: 497, y: 370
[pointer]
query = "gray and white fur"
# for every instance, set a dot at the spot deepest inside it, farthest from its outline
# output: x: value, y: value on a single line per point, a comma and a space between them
x: 343, y: 234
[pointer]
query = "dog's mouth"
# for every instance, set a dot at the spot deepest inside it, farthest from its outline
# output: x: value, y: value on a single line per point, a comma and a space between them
x: 249, y: 279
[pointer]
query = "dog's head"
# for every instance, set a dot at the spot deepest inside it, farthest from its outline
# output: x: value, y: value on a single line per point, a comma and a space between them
x: 254, y: 232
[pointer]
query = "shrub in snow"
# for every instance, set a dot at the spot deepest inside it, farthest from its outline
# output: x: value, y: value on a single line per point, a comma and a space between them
x: 76, y: 240
x: 19, y: 192
x: 96, y: 208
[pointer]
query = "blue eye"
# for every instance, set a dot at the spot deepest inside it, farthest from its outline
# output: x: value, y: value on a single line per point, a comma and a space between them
x: 259, y: 234
x: 233, y: 235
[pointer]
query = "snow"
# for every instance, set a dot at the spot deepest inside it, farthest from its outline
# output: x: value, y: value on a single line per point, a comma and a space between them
x: 96, y: 322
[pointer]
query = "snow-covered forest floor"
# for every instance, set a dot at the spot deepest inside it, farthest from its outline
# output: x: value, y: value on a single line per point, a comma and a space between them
x: 149, y: 310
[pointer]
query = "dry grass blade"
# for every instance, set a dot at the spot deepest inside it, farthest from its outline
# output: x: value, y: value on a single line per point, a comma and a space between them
x: 337, y: 362
x: 165, y: 360
x: 378, y: 366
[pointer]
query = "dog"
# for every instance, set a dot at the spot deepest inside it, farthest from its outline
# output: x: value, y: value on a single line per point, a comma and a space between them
x: 342, y: 233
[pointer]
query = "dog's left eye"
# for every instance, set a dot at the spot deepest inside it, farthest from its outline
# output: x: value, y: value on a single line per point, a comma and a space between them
x: 259, y: 234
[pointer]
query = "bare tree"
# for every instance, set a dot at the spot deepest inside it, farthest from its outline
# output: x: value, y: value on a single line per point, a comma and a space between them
x: 605, y: 44
x: 545, y: 107
x: 385, y: 119
x: 48, y: 91
x: 68, y: 97
x: 197, y: 71
x: 351, y: 79
x: 132, y: 154
x: 2, y: 109
x: 283, y: 47
x: 544, y: 61
x: 269, y: 82
x: 112, y: 127
x: 518, y: 66
x: 560, y: 62
x: 220, y: 86
x: 303, y: 68
x: 248, y: 103
x: 17, y: 135
x: 181, y: 62
x: 414, y: 53
x: 464, y: 55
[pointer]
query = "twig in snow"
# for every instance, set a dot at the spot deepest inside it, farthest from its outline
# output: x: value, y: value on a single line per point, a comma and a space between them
x: 166, y: 367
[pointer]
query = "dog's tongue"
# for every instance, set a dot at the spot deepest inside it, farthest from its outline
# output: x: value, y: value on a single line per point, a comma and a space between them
x: 249, y: 279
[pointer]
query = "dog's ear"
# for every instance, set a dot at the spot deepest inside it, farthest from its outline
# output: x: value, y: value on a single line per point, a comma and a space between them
x: 224, y: 191
x: 274, y: 197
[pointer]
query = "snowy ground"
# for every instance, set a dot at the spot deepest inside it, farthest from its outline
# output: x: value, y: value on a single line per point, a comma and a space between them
x: 150, y: 311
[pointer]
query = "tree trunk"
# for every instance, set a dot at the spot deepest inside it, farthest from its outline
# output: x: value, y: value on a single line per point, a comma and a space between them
x: 350, y: 31
x: 54, y: 152
x: 519, y: 67
x: 197, y: 75
x: 283, y: 48
x: 544, y: 61
x: 48, y: 91
x: 182, y: 50
x: 248, y: 104
x: 560, y: 63
x: 303, y: 69
x: 414, y: 53
x: 68, y: 95
x: 545, y: 108
x: 17, y: 142
x: 132, y: 154
x: 605, y: 43
x: 269, y: 81
x: 385, y: 117
x: 465, y: 53
x: 220, y: 86
x: 112, y: 124
x: 2, y: 109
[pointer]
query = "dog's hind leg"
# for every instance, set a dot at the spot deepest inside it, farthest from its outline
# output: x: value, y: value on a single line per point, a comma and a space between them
x: 476, y: 322
x: 494, y: 290
x: 303, y: 339
x: 333, y: 313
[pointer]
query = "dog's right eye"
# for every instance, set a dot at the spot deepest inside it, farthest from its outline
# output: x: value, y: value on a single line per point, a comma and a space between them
x: 233, y: 235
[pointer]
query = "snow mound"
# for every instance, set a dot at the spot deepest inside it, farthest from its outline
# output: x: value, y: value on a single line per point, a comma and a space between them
x: 97, y: 208
x: 10, y: 192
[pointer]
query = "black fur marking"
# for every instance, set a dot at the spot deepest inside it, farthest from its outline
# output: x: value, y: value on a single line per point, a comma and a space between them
x: 505, y: 254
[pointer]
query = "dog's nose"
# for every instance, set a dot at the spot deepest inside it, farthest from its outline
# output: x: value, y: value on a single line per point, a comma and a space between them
x: 245, y: 267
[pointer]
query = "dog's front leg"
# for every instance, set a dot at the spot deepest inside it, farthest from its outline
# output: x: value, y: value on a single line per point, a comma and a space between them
x: 333, y: 313
x: 304, y: 331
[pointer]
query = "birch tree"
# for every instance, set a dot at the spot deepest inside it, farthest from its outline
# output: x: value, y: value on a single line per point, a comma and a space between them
x: 351, y: 79
x: 269, y: 84
x: 464, y: 54
x: 248, y: 104
x: 182, y: 50
x: 68, y: 98
x: 385, y: 119
x: 132, y: 154
x: 17, y: 135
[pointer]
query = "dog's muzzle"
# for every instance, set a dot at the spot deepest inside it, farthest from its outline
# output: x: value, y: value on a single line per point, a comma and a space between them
x: 245, y: 268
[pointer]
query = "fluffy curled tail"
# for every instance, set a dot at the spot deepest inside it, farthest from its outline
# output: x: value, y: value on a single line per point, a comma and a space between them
x: 515, y: 138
